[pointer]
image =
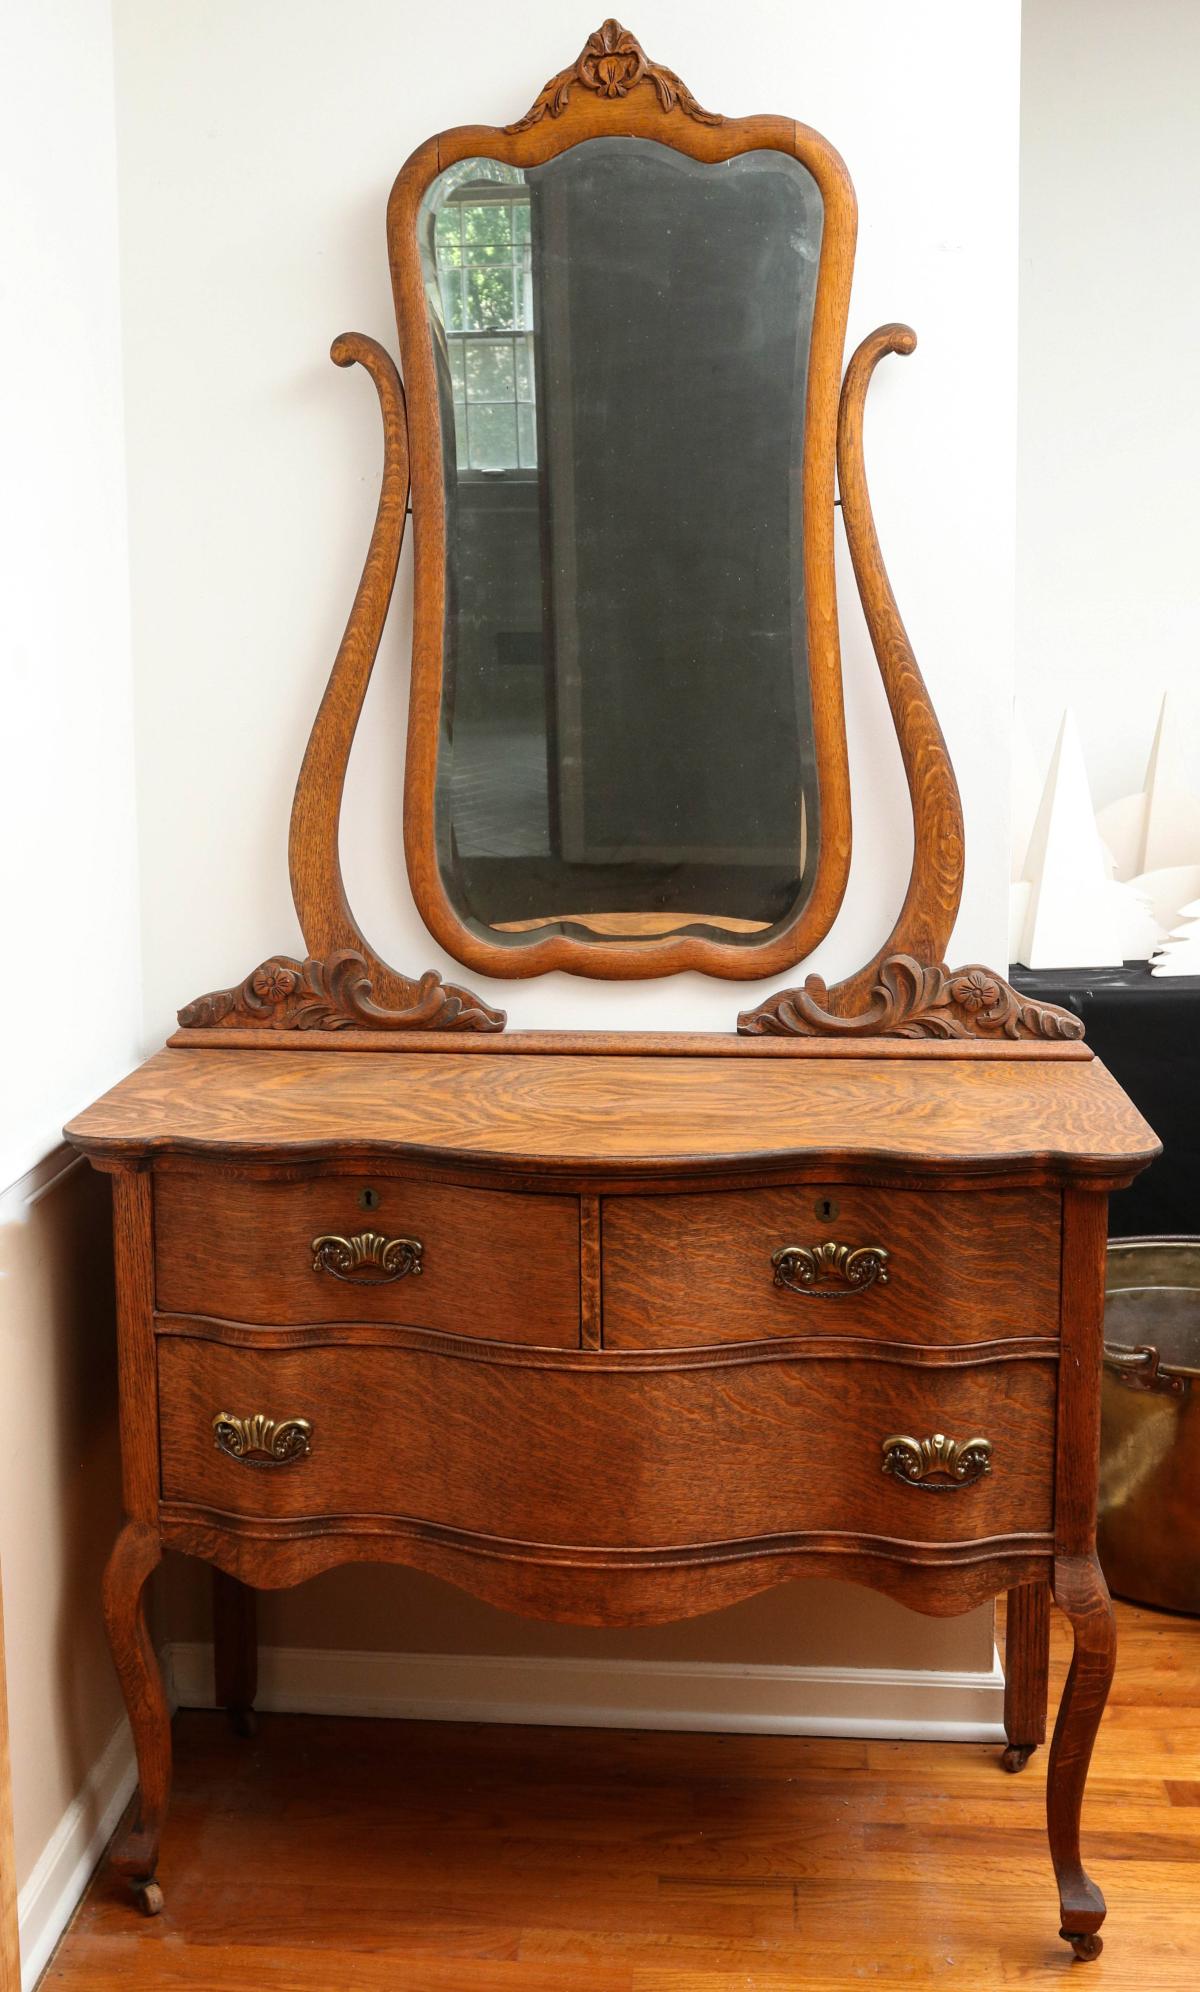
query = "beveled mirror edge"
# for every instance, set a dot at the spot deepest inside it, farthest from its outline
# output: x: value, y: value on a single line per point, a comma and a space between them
x: 636, y: 98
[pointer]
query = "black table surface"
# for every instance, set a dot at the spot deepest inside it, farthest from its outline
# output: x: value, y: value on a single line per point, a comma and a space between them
x: 1147, y: 1030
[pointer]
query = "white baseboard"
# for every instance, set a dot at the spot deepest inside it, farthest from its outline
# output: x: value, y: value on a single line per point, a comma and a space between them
x: 50, y: 1896
x: 71, y: 1855
x: 617, y: 1694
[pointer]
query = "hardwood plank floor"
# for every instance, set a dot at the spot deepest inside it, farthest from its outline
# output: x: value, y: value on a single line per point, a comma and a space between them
x: 355, y: 1856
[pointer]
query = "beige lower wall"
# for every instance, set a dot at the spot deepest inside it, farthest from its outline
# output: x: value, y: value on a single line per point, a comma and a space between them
x: 60, y: 1491
x: 386, y: 1609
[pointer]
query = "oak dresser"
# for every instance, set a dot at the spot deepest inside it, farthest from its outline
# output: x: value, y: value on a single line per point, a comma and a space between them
x: 612, y: 1328
x: 621, y: 1337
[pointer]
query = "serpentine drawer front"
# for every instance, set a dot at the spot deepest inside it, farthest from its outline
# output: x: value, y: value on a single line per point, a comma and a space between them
x: 905, y: 1266
x: 490, y: 1263
x: 588, y: 1450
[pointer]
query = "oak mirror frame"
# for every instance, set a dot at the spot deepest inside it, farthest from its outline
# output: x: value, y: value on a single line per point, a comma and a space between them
x: 614, y: 91
x: 648, y: 596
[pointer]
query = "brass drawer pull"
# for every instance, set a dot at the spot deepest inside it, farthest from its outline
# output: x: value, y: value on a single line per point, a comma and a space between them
x: 830, y: 1271
x: 937, y: 1465
x: 366, y: 1258
x: 261, y: 1441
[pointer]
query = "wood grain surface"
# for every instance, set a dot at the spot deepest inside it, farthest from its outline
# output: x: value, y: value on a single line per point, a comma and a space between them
x: 493, y: 1262
x: 1081, y: 1592
x: 235, y: 1650
x: 1026, y: 1665
x: 133, y: 1254
x: 631, y: 1044
x: 441, y: 1857
x: 684, y: 1117
x: 961, y: 1266
x: 706, y: 1455
x: 136, y: 1553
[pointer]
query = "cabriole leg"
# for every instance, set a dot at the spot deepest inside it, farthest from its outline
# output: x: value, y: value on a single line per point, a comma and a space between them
x: 235, y: 1650
x: 136, y: 1553
x: 1081, y: 1592
x: 1026, y: 1672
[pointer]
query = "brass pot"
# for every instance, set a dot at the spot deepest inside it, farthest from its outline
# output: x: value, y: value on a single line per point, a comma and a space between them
x: 1149, y: 1524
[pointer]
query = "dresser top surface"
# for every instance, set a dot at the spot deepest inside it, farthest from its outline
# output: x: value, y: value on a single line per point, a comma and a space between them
x: 628, y: 1116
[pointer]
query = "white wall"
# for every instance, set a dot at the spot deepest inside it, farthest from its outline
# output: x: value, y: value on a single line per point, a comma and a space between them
x: 1108, y: 606
x: 70, y: 995
x: 257, y: 145
x: 70, y: 991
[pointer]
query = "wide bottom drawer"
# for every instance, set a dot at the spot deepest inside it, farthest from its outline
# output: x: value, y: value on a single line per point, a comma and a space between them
x: 577, y: 1450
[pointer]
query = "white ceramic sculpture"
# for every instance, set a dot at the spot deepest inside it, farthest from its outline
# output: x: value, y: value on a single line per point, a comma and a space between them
x: 1076, y: 917
x: 1179, y: 954
x: 1168, y: 892
x: 1160, y: 826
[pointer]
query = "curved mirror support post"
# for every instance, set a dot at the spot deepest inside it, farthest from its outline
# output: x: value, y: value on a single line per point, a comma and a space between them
x: 906, y: 990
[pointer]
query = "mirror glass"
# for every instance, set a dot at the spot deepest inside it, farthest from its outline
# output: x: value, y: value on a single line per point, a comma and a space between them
x: 621, y: 338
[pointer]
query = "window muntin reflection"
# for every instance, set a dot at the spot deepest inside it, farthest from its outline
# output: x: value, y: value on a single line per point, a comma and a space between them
x: 485, y: 280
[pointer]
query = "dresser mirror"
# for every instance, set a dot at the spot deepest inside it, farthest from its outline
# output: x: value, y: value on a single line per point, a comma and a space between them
x: 621, y: 324
x: 625, y: 736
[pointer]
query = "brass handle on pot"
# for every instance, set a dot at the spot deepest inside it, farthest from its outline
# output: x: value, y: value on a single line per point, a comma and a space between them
x: 936, y: 1465
x: 262, y: 1441
x: 366, y: 1258
x: 830, y: 1271
x: 1143, y: 1369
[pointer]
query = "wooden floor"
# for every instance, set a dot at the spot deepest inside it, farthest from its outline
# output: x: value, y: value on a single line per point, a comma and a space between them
x: 356, y: 1856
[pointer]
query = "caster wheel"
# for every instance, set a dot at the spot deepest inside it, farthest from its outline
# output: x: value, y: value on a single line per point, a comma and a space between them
x: 149, y: 1898
x: 243, y: 1722
x: 1086, y: 1947
x: 1017, y: 1756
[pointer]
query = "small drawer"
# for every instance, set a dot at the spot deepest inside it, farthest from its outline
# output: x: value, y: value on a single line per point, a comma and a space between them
x: 575, y: 1451
x: 494, y: 1264
x: 897, y: 1265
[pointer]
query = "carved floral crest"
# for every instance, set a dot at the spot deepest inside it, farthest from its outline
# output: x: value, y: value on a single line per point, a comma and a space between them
x: 612, y: 63
x: 333, y: 995
x: 913, y: 1000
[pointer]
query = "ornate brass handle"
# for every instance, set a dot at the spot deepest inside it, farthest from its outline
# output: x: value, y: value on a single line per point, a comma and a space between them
x: 261, y: 1441
x: 936, y: 1465
x: 366, y: 1258
x: 830, y: 1271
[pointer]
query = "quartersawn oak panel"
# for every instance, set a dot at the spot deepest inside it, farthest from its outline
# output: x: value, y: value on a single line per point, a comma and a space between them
x: 623, y: 1118
x: 644, y: 1459
x: 496, y: 1263
x: 963, y: 1267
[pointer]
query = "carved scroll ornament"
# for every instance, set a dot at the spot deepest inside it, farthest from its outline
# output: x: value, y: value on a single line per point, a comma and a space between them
x: 910, y: 1000
x: 334, y: 995
x: 611, y: 63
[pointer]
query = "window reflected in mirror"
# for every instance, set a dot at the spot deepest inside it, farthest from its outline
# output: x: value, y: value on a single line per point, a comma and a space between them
x: 626, y: 741
x: 485, y: 285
